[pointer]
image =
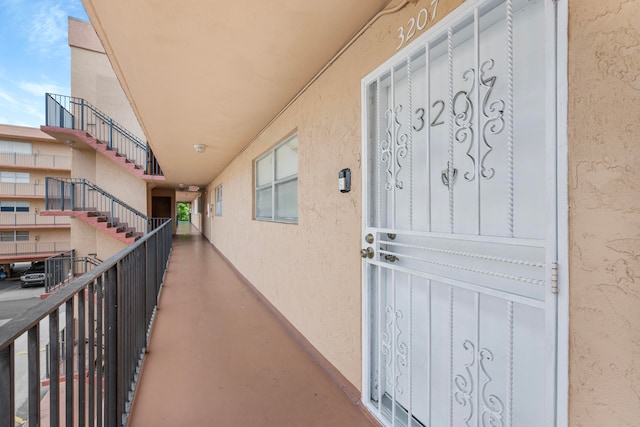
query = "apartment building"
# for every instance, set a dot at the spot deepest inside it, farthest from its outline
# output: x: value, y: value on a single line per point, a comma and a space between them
x: 438, y: 198
x: 27, y: 157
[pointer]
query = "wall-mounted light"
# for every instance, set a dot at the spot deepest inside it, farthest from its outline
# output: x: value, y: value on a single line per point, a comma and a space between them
x: 70, y: 142
x: 199, y: 148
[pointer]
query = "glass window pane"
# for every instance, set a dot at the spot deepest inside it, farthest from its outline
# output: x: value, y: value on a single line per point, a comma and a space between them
x: 287, y: 159
x: 287, y: 200
x: 263, y: 204
x: 22, y: 177
x: 7, y: 236
x: 264, y: 170
x: 22, y: 236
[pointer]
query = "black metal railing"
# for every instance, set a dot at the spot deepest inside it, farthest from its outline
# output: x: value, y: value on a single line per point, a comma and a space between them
x: 157, y: 222
x: 76, y: 113
x: 107, y: 316
x: 76, y: 194
x: 61, y: 269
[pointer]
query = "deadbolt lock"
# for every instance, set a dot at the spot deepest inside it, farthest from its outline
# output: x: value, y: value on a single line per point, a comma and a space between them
x: 367, y: 253
x: 368, y: 238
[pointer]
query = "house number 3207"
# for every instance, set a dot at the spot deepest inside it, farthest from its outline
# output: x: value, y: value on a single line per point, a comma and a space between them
x: 417, y: 23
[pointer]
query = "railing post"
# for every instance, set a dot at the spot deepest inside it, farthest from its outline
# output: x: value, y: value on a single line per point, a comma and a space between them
x: 84, y: 190
x: 82, y: 114
x: 112, y: 213
x: 73, y: 195
x: 110, y: 133
x: 7, y: 389
x: 112, y: 412
x: 61, y: 195
x: 46, y: 108
x: 46, y: 193
x: 61, y: 116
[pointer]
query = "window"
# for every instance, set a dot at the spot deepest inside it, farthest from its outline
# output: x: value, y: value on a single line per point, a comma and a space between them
x: 219, y: 200
x: 276, y: 191
x: 15, y: 147
x: 14, y: 177
x: 13, y: 206
x: 14, y: 236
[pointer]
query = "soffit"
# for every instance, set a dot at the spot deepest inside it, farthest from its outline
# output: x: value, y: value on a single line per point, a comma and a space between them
x: 215, y: 73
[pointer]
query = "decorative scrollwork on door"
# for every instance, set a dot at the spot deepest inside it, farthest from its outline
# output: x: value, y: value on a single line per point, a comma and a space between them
x: 464, y: 119
x: 394, y: 148
x: 493, y: 112
x: 492, y: 405
x: 464, y: 383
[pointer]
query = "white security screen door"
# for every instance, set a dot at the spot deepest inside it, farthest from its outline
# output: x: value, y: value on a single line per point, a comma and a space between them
x: 459, y: 231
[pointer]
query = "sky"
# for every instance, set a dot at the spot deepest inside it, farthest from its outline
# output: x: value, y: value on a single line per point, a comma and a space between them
x: 34, y: 56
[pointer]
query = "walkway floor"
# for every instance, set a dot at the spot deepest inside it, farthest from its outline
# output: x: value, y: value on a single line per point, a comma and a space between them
x: 218, y: 357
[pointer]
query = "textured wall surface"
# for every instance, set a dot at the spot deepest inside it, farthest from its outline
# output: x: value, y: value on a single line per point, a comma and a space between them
x: 604, y: 176
x: 312, y: 271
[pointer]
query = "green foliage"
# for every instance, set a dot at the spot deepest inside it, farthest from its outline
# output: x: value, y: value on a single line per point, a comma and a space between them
x: 183, y: 211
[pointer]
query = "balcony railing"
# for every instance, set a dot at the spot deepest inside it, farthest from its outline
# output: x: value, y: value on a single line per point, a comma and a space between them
x: 21, y: 189
x: 32, y: 248
x: 107, y: 315
x: 45, y: 161
x: 62, y: 269
x: 76, y: 113
x: 73, y: 194
x: 32, y: 220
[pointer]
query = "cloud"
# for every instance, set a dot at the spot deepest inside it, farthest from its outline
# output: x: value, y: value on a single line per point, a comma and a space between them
x: 48, y: 32
x: 39, y: 89
x: 7, y: 97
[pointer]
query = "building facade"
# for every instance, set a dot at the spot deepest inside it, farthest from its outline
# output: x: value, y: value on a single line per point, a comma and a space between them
x: 476, y: 262
x: 27, y: 157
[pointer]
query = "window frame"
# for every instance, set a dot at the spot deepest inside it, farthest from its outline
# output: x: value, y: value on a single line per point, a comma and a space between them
x: 218, y: 203
x: 275, y: 183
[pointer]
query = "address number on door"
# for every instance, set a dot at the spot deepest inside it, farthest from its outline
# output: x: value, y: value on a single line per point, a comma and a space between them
x: 417, y: 23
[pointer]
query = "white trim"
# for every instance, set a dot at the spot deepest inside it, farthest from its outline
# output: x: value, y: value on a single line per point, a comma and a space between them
x: 562, y: 48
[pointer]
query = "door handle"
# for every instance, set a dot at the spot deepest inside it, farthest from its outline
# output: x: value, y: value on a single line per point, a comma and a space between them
x: 367, y: 253
x: 391, y: 258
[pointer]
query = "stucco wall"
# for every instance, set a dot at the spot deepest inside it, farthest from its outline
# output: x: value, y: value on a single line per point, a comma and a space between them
x: 604, y: 176
x: 312, y: 271
x: 93, y: 79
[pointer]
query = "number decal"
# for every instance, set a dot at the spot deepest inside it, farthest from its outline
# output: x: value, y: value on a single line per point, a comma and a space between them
x: 420, y: 113
x: 466, y: 102
x: 435, y: 121
x: 424, y: 15
x: 434, y: 3
x: 412, y: 28
x: 401, y: 36
x: 417, y: 23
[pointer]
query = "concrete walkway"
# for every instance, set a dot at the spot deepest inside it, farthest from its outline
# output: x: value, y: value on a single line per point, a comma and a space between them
x: 218, y: 357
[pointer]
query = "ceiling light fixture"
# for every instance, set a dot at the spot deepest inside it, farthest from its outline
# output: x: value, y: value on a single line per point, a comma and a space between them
x: 199, y: 148
x: 70, y: 142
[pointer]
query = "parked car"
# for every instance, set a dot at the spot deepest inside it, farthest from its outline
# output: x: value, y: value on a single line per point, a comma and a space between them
x: 34, y: 276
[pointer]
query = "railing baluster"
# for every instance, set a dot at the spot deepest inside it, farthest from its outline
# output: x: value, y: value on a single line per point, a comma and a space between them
x: 33, y: 352
x: 7, y: 389
x: 69, y: 368
x: 54, y: 369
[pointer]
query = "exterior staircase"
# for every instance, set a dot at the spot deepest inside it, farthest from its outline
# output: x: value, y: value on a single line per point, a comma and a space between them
x: 74, y: 120
x: 89, y: 203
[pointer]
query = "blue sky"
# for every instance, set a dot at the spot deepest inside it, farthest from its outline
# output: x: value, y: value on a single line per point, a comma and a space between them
x: 34, y: 56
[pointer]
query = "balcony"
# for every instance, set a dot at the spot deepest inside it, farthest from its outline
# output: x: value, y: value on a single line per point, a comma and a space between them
x: 35, y: 161
x: 30, y: 251
x: 216, y: 354
x: 9, y: 221
x: 22, y: 190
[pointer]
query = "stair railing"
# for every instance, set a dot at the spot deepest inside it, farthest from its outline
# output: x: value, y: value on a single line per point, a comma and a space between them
x: 76, y: 113
x: 77, y: 194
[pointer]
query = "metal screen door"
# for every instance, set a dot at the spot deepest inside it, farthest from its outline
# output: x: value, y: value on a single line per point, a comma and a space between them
x: 459, y: 231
